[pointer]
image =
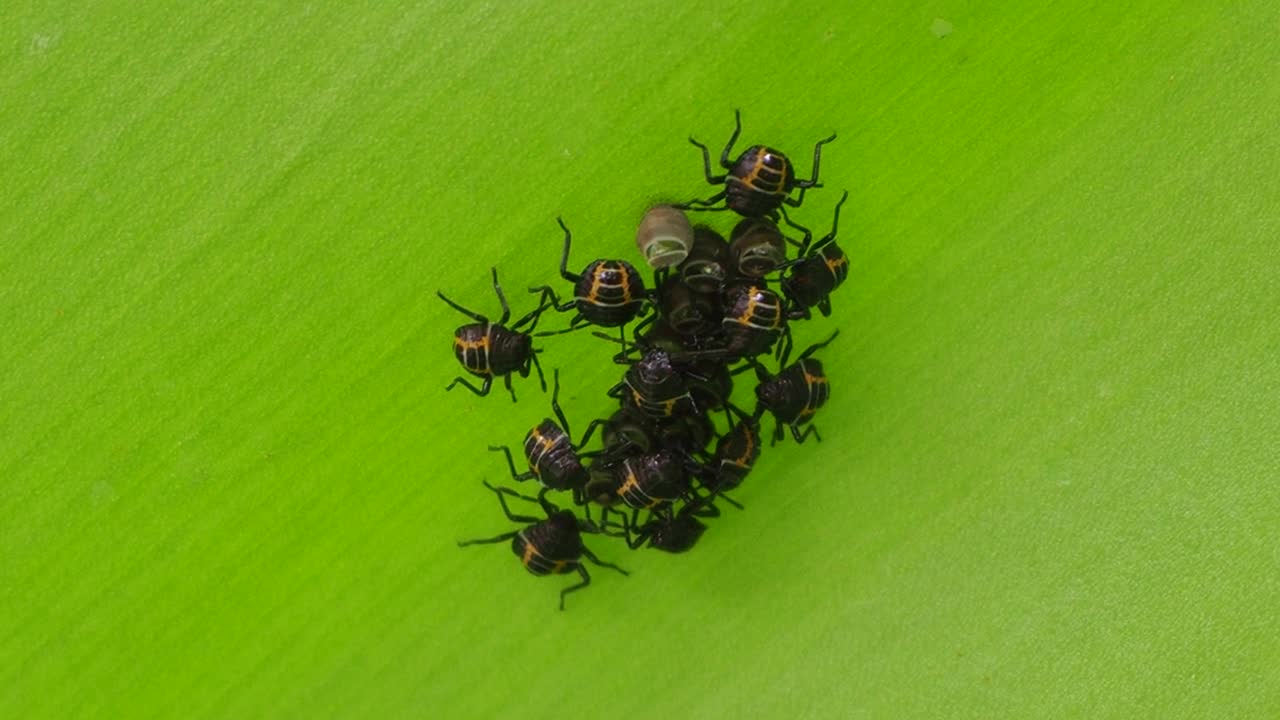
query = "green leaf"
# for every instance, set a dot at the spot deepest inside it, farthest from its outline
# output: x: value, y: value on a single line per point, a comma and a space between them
x: 233, y: 482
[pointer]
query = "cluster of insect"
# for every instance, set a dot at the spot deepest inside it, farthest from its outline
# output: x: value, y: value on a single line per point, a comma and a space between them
x: 717, y: 308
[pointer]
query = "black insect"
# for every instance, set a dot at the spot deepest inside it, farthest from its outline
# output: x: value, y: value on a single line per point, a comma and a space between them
x: 547, y: 547
x: 710, y: 383
x: 685, y: 310
x: 554, y: 459
x: 708, y: 264
x: 645, y: 482
x: 655, y: 386
x: 686, y: 434
x: 487, y: 349
x: 702, y: 340
x: 672, y: 532
x: 754, y: 318
x: 607, y: 293
x: 628, y: 432
x: 794, y: 394
x: 736, y: 453
x: 811, y: 278
x: 760, y: 181
x: 757, y: 247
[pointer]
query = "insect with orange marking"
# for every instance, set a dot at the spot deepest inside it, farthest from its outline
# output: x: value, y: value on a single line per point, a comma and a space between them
x: 655, y: 386
x: 651, y: 482
x: 673, y: 532
x: 551, y: 546
x: 810, y: 279
x: 607, y: 293
x: 754, y: 318
x: 736, y: 453
x: 554, y: 459
x: 491, y: 350
x: 795, y: 394
x: 759, y: 182
x: 708, y: 264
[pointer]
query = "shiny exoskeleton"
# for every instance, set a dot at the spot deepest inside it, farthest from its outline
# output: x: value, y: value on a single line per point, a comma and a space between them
x: 489, y: 349
x: 607, y: 293
x: 710, y: 384
x: 676, y: 533
x: 651, y: 481
x: 552, y: 546
x: 736, y: 454
x: 760, y: 181
x: 754, y: 317
x: 686, y: 310
x: 812, y: 278
x: 685, y: 434
x: 627, y: 431
x: 655, y: 386
x: 795, y: 394
x: 757, y: 247
x: 645, y: 482
x: 708, y: 264
x: 552, y: 455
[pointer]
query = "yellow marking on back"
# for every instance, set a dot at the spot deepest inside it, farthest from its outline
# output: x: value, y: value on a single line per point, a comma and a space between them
x: 745, y: 318
x: 833, y: 264
x: 751, y: 445
x: 540, y: 439
x: 757, y: 168
x: 594, y: 292
x: 632, y: 483
x: 482, y: 343
x: 530, y: 552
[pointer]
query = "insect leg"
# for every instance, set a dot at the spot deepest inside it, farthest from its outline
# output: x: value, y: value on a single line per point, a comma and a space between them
x: 586, y: 580
x: 481, y: 391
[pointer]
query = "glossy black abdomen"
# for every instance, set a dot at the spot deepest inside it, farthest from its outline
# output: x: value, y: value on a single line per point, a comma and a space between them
x: 609, y: 293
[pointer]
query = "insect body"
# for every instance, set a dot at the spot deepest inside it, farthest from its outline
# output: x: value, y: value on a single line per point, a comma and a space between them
x: 707, y: 266
x: 757, y: 247
x: 736, y: 454
x: 547, y: 547
x: 644, y: 482
x: 676, y: 533
x: 760, y: 181
x: 685, y: 310
x: 551, y: 453
x: 608, y: 293
x: 795, y: 394
x: 650, y: 481
x: 488, y: 350
x: 812, y: 278
x: 655, y: 387
x: 754, y: 317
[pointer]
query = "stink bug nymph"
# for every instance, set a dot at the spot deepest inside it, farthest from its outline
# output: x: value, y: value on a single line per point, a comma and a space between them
x: 810, y: 279
x: 795, y: 394
x: 552, y: 546
x: 489, y: 349
x: 760, y: 181
x: 607, y: 293
x: 553, y: 457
